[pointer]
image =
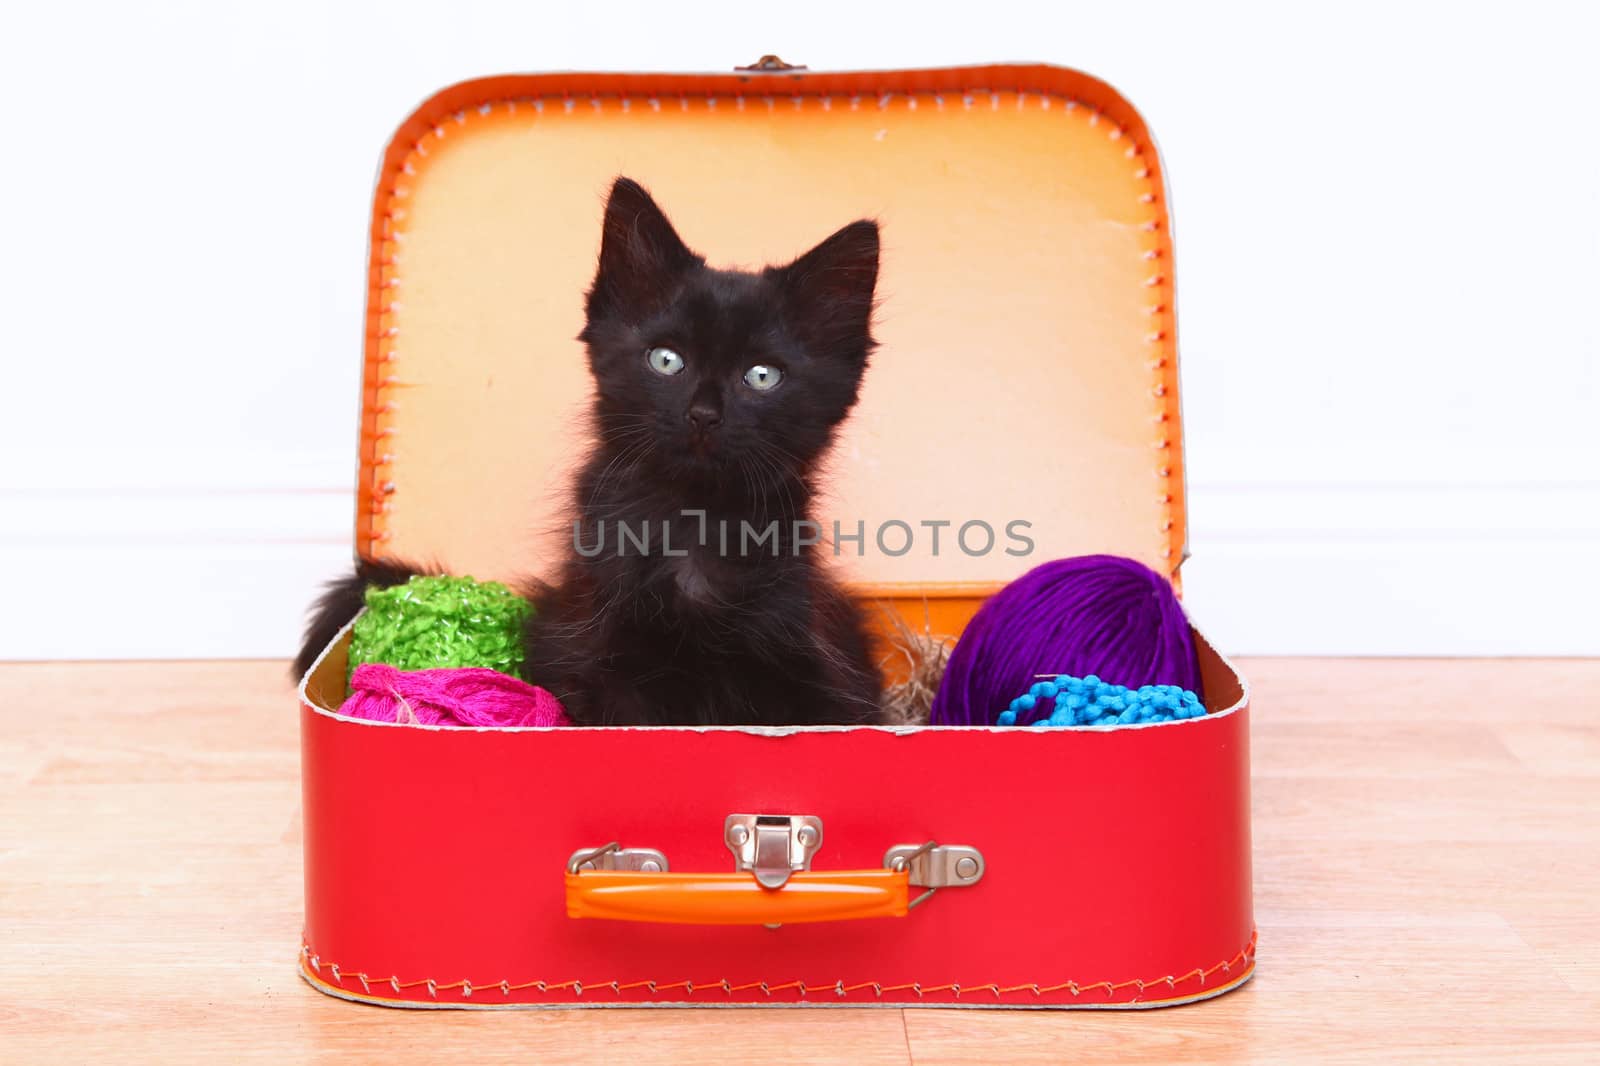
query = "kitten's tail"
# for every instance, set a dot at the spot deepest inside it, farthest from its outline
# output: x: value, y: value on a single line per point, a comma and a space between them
x: 341, y: 601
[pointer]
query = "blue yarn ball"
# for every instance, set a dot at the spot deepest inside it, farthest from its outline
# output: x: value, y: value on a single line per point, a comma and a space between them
x: 1089, y: 701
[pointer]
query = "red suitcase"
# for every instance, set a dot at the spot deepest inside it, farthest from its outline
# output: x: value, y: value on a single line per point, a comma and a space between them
x: 1027, y: 372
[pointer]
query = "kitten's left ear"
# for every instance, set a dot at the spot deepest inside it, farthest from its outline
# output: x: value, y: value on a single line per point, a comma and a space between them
x: 829, y: 289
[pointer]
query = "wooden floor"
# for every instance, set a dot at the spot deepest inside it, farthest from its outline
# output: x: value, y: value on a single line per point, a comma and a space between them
x: 1427, y: 843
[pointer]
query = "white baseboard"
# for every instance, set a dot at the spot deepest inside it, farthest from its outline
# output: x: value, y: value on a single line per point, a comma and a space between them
x: 166, y: 571
x: 1443, y: 569
x: 1488, y: 598
x: 165, y: 601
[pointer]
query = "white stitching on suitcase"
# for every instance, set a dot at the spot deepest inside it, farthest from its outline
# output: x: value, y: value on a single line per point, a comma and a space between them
x: 1246, y: 954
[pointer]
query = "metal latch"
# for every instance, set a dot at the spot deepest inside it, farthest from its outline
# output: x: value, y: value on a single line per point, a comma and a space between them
x: 935, y: 866
x: 613, y: 857
x: 772, y: 846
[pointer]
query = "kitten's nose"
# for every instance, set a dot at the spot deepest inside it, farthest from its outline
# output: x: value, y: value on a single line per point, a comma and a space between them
x: 704, y: 417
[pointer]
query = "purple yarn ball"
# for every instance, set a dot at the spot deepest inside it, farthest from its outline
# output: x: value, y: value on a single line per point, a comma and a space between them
x: 1092, y: 614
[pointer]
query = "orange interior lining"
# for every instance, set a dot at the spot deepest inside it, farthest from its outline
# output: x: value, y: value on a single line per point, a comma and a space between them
x: 1027, y: 368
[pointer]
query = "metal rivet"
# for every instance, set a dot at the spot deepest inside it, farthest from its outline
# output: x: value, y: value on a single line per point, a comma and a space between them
x: 807, y: 837
x: 738, y: 834
x: 650, y: 866
x: 967, y: 867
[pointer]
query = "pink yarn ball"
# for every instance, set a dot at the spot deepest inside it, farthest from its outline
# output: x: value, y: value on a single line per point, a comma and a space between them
x: 464, y: 696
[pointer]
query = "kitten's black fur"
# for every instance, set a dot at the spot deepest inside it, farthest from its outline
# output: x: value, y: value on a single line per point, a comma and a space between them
x: 713, y: 636
x: 339, y: 603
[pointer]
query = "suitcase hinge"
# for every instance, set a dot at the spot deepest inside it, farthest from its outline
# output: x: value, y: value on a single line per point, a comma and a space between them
x: 612, y: 857
x: 770, y: 64
x: 935, y: 866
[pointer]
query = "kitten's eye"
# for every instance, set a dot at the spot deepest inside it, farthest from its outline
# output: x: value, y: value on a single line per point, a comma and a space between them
x: 763, y: 378
x: 664, y: 361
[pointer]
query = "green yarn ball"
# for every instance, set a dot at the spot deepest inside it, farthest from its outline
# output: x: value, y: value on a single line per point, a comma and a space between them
x: 433, y: 622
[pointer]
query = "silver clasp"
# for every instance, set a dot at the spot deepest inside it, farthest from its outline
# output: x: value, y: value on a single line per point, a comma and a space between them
x: 772, y: 846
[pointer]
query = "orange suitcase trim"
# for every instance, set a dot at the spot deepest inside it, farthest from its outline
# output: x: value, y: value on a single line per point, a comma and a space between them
x: 496, y: 106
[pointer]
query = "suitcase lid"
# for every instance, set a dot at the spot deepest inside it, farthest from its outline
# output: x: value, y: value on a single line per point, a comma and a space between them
x: 1027, y: 367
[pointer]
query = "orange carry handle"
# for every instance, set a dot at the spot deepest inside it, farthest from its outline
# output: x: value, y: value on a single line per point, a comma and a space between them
x: 736, y: 898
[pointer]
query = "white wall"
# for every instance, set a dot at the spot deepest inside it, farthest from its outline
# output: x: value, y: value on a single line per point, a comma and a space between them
x: 1388, y: 231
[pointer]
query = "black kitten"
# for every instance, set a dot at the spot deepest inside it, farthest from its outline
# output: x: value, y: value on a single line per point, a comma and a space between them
x: 692, y: 594
x: 717, y: 393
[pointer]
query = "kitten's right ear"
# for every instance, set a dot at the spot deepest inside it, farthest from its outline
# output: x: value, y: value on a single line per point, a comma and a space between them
x: 829, y: 289
x: 640, y: 254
